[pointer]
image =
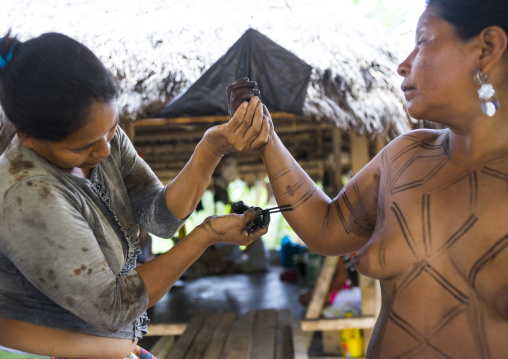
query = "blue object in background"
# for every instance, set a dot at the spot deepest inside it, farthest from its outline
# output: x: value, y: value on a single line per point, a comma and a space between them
x: 287, y: 250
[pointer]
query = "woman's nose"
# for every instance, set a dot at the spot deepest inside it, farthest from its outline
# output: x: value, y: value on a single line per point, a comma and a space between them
x: 402, y: 70
x: 102, y: 149
x: 405, y: 66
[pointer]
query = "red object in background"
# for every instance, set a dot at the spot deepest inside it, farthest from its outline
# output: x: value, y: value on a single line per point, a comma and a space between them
x: 288, y: 276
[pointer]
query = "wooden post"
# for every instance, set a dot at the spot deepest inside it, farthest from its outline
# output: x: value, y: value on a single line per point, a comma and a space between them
x: 320, y: 292
x: 130, y: 130
x: 322, y: 287
x: 359, y: 152
x: 337, y: 165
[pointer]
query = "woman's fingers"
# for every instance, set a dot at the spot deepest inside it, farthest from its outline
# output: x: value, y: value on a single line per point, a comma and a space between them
x: 254, y: 129
x: 249, y: 115
x: 236, y: 228
x: 255, y: 224
x: 249, y: 128
x: 237, y: 120
x: 263, y: 132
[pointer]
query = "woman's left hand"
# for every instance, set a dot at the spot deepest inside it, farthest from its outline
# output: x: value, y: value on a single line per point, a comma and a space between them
x: 240, y: 229
x: 247, y: 131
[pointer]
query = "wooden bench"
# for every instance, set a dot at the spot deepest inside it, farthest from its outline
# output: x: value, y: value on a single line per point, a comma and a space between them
x: 261, y: 334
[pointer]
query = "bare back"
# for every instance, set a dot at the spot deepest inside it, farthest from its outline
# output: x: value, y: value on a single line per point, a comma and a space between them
x: 440, y: 250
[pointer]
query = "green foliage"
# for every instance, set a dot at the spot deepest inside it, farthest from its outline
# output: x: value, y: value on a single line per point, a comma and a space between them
x: 237, y: 191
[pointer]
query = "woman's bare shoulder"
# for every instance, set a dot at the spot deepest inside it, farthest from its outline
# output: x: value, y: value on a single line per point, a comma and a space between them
x: 417, y: 139
x: 420, y: 135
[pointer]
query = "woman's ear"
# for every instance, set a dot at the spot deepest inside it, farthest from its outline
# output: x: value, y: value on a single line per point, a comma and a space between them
x: 493, y: 41
x: 26, y: 140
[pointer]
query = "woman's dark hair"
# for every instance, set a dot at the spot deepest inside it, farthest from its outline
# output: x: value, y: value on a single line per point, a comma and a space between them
x: 49, y: 84
x: 471, y: 17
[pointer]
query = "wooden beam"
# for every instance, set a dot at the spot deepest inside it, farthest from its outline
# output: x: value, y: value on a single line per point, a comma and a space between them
x: 359, y: 152
x: 184, y: 343
x: 129, y: 129
x: 159, y: 135
x: 239, y: 342
x: 222, y: 329
x: 299, y: 347
x: 284, y: 345
x: 307, y: 325
x: 202, y: 119
x: 264, y: 334
x: 337, y: 324
x: 337, y: 161
x: 166, y: 329
x: 322, y: 288
x: 163, y: 346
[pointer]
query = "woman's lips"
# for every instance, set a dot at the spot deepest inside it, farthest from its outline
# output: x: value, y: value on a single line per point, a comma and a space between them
x: 408, y: 91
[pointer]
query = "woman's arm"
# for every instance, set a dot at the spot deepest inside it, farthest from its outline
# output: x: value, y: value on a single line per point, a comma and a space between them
x: 245, y: 132
x: 161, y: 273
x: 159, y: 209
x: 329, y: 227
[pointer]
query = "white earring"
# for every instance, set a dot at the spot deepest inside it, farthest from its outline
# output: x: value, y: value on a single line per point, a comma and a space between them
x: 486, y: 94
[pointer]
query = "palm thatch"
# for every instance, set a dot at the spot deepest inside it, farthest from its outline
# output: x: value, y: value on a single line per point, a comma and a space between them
x: 157, y: 48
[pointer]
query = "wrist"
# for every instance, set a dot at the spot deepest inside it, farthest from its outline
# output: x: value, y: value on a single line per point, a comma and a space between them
x: 271, y: 144
x: 203, y: 235
x: 209, y: 148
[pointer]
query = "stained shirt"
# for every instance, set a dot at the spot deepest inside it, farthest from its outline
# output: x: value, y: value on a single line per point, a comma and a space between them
x: 68, y: 245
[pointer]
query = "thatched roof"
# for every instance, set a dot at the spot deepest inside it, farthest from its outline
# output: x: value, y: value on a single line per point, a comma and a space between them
x: 157, y: 48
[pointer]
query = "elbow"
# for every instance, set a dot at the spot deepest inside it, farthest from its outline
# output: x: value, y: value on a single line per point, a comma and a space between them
x: 109, y: 327
x: 111, y: 323
x: 122, y: 302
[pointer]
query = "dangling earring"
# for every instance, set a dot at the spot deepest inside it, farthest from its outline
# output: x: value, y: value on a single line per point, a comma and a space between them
x: 486, y: 94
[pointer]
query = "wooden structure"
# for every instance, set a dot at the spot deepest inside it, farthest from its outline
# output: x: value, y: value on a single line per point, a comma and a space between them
x: 324, y: 151
x: 261, y: 334
x: 264, y: 333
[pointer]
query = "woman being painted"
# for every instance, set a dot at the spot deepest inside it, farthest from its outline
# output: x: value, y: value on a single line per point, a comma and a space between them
x: 428, y: 215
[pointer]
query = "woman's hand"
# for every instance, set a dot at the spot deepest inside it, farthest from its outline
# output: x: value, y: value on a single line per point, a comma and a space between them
x: 235, y: 228
x: 247, y: 131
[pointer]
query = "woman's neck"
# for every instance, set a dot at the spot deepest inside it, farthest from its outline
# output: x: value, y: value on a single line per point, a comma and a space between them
x: 486, y: 140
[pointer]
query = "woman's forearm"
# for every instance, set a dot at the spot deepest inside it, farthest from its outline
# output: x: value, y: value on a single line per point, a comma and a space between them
x: 291, y: 185
x: 316, y: 218
x: 185, y: 191
x: 162, y: 272
x: 247, y: 131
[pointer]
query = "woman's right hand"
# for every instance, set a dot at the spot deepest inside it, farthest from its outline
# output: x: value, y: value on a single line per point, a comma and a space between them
x: 247, y: 131
x: 234, y: 228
